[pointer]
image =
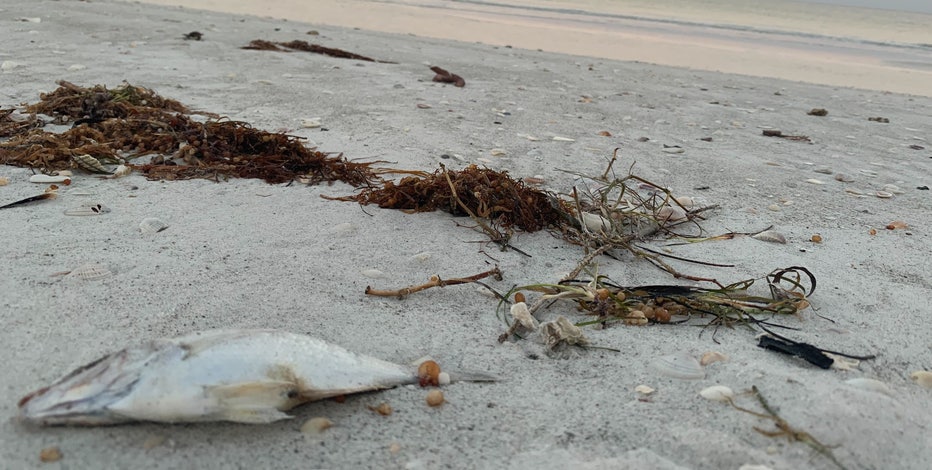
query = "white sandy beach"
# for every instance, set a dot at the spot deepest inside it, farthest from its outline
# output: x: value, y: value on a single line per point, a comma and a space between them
x: 246, y: 254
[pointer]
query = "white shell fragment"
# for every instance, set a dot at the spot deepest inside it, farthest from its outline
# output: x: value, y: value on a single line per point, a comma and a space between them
x: 671, y: 214
x: 120, y: 171
x: 90, y: 272
x: 88, y: 209
x: 717, y: 393
x: 562, y: 330
x: 679, y: 366
x: 152, y: 225
x: 871, y: 385
x: 310, y: 123
x: 563, y: 139
x: 884, y: 194
x: 522, y: 315
x: 644, y: 389
x: 443, y: 378
x: 674, y: 149
x: 770, y: 236
x: 316, y: 426
x: 595, y: 222
x: 45, y: 179
x: 373, y: 273
x: 922, y: 377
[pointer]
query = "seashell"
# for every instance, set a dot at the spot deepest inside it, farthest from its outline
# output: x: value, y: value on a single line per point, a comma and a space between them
x: 563, y: 139
x: 679, y: 366
x: 45, y: 179
x: 434, y: 398
x: 120, y: 171
x: 668, y: 214
x: 897, y: 224
x: 315, y: 426
x: 562, y: 330
x: 498, y: 152
x: 91, y: 164
x: 522, y: 315
x: 644, y: 389
x: 892, y: 188
x: 673, y: 149
x: 770, y: 236
x: 152, y: 225
x: 443, y: 378
x: 4, y: 181
x: 884, y: 194
x: 712, y: 357
x: 843, y: 178
x: 383, y: 409
x: 428, y: 373
x: 717, y: 393
x: 685, y: 201
x: 50, y: 454
x: 870, y: 385
x: 88, y: 209
x: 310, y: 123
x: 90, y: 272
x: 923, y: 378
x: 595, y: 222
x: 814, y: 181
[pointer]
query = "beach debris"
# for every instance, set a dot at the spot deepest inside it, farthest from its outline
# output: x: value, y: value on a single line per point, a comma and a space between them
x: 780, y: 134
x: 644, y: 389
x: 129, y: 122
x: 90, y: 272
x: 783, y: 428
x: 717, y: 393
x: 883, y: 194
x: 88, y: 209
x: 49, y: 179
x: 843, y: 178
x: 244, y: 376
x: 897, y: 224
x: 193, y: 36
x: 152, y: 225
x: 557, y: 138
x: 678, y: 366
x: 316, y: 426
x: 373, y: 273
x: 878, y: 119
x: 771, y: 236
x: 50, y: 454
x: 816, y: 238
x: 41, y: 197
x: 561, y: 331
x: 304, y: 46
x: 922, y: 377
x: 443, y: 76
x: 822, y: 358
x: 383, y: 408
x: 916, y: 147
x: 4, y: 181
x: 119, y: 172
x: 605, y: 133
x: 428, y: 374
x: 443, y: 378
x: 522, y: 315
x: 673, y: 149
x: 434, y: 398
x: 711, y: 357
x: 817, y: 112
x: 435, y: 281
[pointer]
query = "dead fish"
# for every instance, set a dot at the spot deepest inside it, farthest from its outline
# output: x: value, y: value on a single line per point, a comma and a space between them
x: 243, y: 376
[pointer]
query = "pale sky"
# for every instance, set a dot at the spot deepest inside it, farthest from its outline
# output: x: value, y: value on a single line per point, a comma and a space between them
x: 924, y: 6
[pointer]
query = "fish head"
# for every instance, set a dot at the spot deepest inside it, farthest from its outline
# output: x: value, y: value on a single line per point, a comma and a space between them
x: 83, y: 397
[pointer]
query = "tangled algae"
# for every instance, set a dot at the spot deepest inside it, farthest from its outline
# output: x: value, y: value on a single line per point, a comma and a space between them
x: 129, y: 122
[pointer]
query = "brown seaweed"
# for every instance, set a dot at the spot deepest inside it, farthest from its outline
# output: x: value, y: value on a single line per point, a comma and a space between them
x: 444, y: 76
x: 304, y: 46
x: 484, y: 192
x: 129, y: 122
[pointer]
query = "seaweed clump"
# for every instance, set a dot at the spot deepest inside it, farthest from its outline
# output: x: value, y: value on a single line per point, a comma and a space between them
x: 129, y: 122
x: 473, y: 191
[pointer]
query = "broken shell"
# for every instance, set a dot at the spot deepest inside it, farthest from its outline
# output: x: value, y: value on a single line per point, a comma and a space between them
x: 883, y: 194
x: 712, y: 357
x: 522, y: 315
x: 373, y: 273
x: 679, y: 366
x: 92, y: 209
x: 770, y: 236
x: 896, y: 224
x: 434, y: 397
x: 816, y: 238
x: 563, y: 139
x: 922, y: 377
x: 673, y: 149
x: 310, y: 123
x: 671, y: 214
x: 595, y: 222
x: 562, y: 330
x: 90, y: 272
x: 91, y: 164
x: 443, y: 378
x: 644, y: 389
x: 497, y: 152
x: 316, y: 425
x: 50, y: 454
x: 843, y: 178
x: 717, y: 393
x: 428, y: 373
x: 870, y: 385
x: 4, y: 181
x: 383, y: 409
x: 814, y: 181
x: 44, y: 179
x: 152, y: 225
x: 121, y: 170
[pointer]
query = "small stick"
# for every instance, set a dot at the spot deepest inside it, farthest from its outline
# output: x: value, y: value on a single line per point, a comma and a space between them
x: 41, y: 197
x: 435, y: 281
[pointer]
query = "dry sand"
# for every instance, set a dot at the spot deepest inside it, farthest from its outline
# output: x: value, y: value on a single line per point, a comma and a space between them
x: 247, y: 254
